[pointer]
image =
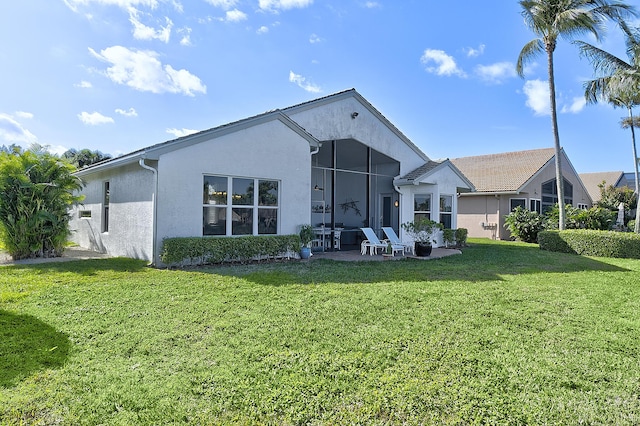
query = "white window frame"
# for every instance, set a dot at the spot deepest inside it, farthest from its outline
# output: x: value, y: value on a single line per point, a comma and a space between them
x: 427, y: 212
x: 451, y: 196
x: 538, y: 204
x: 229, y: 206
x: 106, y: 200
x: 511, y: 200
x: 583, y: 206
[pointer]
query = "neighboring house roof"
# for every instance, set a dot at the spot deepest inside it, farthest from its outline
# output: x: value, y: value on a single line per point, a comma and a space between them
x: 592, y: 180
x: 505, y: 172
x: 422, y: 173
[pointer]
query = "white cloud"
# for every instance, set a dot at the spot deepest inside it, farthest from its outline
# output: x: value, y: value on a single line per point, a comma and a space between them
x: 314, y: 38
x: 141, y: 70
x: 473, y: 53
x: 372, y: 5
x: 178, y: 133
x: 131, y: 112
x: 23, y: 114
x: 302, y: 82
x: 262, y: 30
x: 12, y: 132
x: 224, y: 4
x: 444, y: 63
x: 576, y: 106
x: 277, y: 5
x: 186, y: 36
x: 496, y: 73
x: 94, y: 118
x: 57, y: 149
x: 235, y: 15
x: 124, y: 4
x: 537, y: 92
x: 143, y: 32
x: 84, y: 85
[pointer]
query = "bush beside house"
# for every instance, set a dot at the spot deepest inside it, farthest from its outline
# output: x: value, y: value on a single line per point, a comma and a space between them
x: 193, y: 251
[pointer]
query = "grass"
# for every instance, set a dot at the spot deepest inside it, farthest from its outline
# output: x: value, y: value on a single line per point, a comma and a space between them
x: 503, y: 334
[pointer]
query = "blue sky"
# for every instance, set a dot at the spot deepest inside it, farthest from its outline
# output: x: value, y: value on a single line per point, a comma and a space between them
x: 119, y: 75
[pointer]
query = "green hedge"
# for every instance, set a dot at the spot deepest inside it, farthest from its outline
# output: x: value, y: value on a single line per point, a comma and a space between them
x: 205, y: 250
x: 591, y: 243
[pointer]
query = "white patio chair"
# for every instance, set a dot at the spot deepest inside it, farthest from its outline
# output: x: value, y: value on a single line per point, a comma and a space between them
x: 393, y: 237
x: 373, y: 243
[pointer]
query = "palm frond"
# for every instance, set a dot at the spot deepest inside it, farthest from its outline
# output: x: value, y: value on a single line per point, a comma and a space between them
x: 528, y: 52
x: 602, y: 61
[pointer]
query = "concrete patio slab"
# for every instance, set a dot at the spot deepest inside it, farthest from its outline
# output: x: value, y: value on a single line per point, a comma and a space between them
x: 355, y: 256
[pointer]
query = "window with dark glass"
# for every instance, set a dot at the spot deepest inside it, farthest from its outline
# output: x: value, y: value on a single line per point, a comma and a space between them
x: 446, y: 210
x: 517, y: 202
x: 105, y: 207
x: 421, y: 206
x: 215, y: 205
x: 267, y: 207
x: 550, y: 194
x: 232, y: 206
x: 535, y: 205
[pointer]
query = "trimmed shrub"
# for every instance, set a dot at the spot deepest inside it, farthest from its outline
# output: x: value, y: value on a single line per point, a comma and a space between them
x: 591, y: 243
x: 448, y: 237
x: 461, y: 237
x: 206, y: 250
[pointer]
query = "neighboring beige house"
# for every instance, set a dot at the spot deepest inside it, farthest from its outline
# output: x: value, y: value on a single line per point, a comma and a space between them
x: 617, y: 179
x: 507, y: 180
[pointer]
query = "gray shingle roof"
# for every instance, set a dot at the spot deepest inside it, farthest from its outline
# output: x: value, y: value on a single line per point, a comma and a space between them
x: 503, y: 172
x: 422, y: 170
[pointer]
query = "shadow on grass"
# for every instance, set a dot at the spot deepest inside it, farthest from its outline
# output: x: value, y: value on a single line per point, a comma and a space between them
x: 480, y: 262
x: 28, y: 345
x: 86, y: 267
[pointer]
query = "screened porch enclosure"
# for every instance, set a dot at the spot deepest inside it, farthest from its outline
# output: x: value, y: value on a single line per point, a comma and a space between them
x: 352, y: 187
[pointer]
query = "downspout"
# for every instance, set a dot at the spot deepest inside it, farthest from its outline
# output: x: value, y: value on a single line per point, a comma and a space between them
x: 155, y: 208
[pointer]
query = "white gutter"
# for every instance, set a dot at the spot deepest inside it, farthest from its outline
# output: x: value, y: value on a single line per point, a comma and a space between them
x: 155, y: 208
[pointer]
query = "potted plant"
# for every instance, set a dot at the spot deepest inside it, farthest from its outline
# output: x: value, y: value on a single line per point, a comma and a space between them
x: 388, y: 251
x: 421, y: 232
x: 306, y: 235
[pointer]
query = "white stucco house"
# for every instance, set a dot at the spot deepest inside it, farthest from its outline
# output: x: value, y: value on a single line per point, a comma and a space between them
x: 335, y: 161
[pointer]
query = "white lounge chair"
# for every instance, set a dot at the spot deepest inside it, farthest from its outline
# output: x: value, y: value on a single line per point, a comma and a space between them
x: 373, y: 243
x: 393, y: 237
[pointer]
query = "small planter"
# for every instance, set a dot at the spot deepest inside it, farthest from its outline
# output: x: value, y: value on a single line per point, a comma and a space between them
x: 423, y: 249
x: 387, y: 256
x: 305, y: 253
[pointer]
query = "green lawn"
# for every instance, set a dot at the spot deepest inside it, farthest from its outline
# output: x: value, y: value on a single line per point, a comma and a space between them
x: 502, y: 334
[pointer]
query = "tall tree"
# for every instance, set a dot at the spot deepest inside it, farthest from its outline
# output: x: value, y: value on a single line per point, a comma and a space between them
x: 618, y: 82
x: 84, y: 157
x: 553, y: 19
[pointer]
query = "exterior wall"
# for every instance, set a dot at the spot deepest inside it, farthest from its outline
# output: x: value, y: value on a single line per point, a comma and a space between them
x: 480, y: 215
x: 365, y: 128
x: 130, y: 213
x: 442, y: 182
x: 269, y: 151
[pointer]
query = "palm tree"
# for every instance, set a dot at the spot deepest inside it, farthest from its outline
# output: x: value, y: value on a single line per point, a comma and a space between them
x: 618, y: 85
x: 550, y: 19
